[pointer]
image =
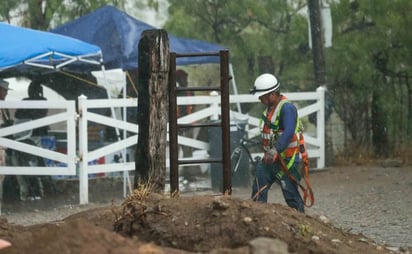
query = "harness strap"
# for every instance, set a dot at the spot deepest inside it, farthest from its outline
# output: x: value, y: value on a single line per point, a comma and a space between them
x: 266, y: 132
x: 288, y: 166
x: 256, y: 196
x: 307, y: 192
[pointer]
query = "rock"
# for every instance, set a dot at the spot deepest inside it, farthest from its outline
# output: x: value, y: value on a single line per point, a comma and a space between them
x: 264, y: 245
x: 247, y: 220
x: 395, y: 249
x: 324, y: 219
x: 219, y: 204
x: 315, y: 238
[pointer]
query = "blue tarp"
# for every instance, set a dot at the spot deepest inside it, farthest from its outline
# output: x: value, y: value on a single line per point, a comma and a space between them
x: 118, y: 35
x: 23, y: 49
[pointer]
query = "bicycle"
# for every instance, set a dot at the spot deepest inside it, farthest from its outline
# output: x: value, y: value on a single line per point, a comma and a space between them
x: 241, y: 150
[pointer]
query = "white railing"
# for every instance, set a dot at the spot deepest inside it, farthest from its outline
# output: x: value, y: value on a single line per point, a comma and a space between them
x: 86, y: 155
x: 315, y: 141
x: 11, y: 137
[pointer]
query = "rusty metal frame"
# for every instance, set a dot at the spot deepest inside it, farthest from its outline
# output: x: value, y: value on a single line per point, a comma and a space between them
x: 224, y: 122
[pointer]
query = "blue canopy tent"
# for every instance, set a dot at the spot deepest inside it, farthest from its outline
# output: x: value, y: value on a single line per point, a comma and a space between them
x: 46, y: 56
x: 118, y: 34
x: 23, y: 50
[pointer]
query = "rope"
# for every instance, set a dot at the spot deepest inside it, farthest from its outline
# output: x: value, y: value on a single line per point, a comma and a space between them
x: 307, y: 192
x: 131, y: 81
x: 255, y: 197
x: 81, y: 79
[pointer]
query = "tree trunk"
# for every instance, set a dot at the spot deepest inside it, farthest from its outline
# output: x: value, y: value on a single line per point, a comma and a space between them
x: 266, y: 64
x: 152, y: 107
x: 409, y: 114
x: 380, y: 140
x: 319, y: 67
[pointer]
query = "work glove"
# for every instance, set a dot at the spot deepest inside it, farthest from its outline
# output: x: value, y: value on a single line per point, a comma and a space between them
x: 270, y: 156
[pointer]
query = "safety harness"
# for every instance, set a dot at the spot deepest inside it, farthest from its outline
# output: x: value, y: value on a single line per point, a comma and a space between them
x: 271, y: 132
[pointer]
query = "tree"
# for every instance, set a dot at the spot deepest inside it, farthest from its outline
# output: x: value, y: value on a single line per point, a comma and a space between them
x: 6, y: 9
x: 262, y: 36
x: 253, y: 30
x: 46, y: 14
x: 370, y: 76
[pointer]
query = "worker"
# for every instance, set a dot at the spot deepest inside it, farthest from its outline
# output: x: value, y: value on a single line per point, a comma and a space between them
x: 279, y: 132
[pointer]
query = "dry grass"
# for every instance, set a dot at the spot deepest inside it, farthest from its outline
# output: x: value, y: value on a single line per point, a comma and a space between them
x: 133, y: 210
x: 356, y: 155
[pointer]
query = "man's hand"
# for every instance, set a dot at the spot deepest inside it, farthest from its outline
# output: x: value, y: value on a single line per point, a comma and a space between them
x: 270, y: 156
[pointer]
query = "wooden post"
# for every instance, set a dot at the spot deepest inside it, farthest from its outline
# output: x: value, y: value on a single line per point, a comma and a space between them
x: 152, y: 113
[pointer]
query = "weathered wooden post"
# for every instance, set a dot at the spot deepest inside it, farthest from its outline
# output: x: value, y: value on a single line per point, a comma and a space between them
x: 152, y: 115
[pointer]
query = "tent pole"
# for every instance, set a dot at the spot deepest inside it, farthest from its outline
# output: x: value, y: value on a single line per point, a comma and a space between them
x: 231, y: 73
x: 126, y: 178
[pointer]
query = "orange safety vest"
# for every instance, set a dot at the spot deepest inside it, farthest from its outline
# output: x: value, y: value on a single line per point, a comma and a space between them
x: 271, y: 131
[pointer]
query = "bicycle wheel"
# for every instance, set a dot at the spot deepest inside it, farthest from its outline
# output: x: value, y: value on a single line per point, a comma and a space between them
x: 235, y: 159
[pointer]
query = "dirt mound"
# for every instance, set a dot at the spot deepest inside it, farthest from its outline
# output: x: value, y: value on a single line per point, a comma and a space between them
x: 208, y: 224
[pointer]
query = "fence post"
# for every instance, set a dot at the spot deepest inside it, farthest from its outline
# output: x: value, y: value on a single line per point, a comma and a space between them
x: 153, y: 108
x: 215, y: 106
x: 225, y: 120
x: 173, y: 129
x: 83, y: 150
x: 320, y: 123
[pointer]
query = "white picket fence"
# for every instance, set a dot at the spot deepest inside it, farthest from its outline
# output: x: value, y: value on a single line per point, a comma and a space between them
x: 80, y: 161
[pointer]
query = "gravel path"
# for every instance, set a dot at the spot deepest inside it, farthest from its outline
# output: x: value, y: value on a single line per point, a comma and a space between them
x: 372, y: 200
x: 375, y: 201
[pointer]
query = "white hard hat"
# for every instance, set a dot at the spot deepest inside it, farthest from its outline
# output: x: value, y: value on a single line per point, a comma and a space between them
x: 265, y: 84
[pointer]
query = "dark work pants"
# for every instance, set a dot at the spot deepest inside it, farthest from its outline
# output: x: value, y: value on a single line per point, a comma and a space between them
x: 266, y: 176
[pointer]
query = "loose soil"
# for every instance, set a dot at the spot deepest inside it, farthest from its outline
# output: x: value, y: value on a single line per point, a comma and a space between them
x: 205, y: 222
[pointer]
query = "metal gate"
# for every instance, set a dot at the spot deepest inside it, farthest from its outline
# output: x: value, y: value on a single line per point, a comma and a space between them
x: 223, y: 123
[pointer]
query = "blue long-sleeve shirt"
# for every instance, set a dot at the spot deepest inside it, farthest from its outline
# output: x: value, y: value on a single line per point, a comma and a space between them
x: 287, y: 123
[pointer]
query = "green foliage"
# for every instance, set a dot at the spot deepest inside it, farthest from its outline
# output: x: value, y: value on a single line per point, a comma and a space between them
x: 262, y: 36
x: 6, y: 7
x: 46, y: 14
x: 368, y: 70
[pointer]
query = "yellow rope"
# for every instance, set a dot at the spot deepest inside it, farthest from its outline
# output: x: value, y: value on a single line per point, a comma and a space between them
x: 95, y: 84
x: 81, y: 79
x: 131, y: 81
